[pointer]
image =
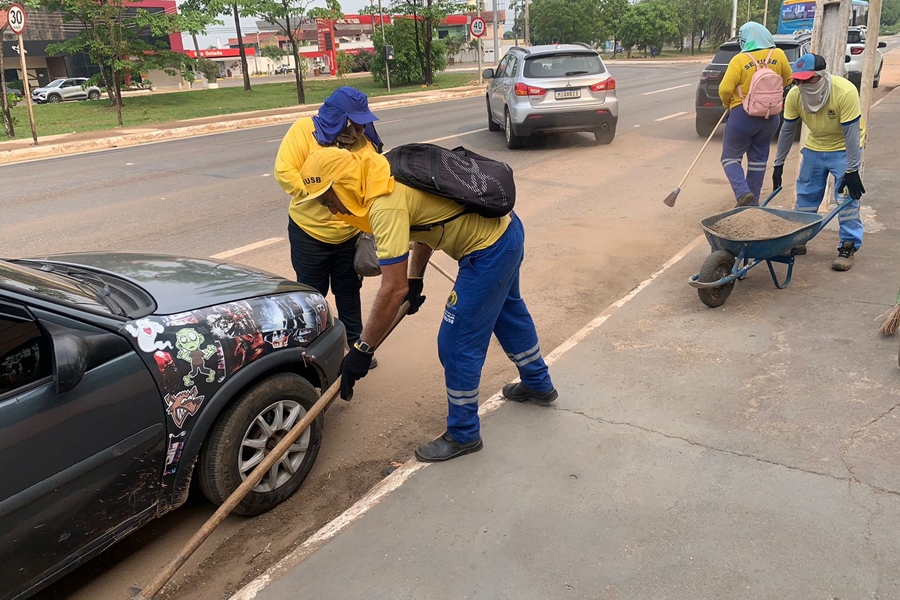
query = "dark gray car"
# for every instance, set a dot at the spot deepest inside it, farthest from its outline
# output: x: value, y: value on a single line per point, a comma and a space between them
x: 124, y: 376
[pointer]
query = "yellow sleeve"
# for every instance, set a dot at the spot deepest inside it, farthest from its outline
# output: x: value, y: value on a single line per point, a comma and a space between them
x: 848, y: 105
x: 730, y: 81
x: 390, y: 226
x: 792, y: 105
x: 292, y: 153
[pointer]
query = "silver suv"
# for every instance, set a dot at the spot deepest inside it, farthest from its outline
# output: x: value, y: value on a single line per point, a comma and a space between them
x: 545, y: 89
x: 67, y: 88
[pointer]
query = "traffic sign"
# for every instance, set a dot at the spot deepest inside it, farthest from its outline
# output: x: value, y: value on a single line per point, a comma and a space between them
x: 16, y: 17
x: 477, y: 27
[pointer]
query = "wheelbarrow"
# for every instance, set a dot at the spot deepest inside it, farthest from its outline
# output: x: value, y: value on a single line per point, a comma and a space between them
x: 732, y: 259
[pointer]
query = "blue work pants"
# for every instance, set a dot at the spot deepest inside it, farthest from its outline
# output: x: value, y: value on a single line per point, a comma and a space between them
x: 751, y: 136
x: 485, y: 300
x: 815, y: 167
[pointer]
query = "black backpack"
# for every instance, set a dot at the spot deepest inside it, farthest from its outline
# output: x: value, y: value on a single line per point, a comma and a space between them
x: 480, y: 184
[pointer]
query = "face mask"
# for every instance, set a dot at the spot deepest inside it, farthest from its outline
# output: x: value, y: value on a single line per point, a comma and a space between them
x: 814, y: 96
x: 350, y: 135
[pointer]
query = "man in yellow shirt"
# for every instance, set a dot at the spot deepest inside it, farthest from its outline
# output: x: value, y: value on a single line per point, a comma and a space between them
x: 745, y: 134
x: 322, y: 246
x: 829, y: 105
x: 359, y: 188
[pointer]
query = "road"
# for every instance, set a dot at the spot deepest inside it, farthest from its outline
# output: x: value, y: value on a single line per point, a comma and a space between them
x: 596, y: 227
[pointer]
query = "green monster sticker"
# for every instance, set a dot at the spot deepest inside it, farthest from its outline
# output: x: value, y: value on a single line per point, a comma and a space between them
x: 188, y: 342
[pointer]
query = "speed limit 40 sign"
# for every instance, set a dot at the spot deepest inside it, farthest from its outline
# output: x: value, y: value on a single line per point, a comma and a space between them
x: 477, y: 27
x: 16, y: 18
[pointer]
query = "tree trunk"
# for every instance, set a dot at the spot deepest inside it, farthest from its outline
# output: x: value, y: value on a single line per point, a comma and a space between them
x: 298, y: 76
x: 4, y: 101
x: 693, y: 34
x: 240, y: 37
x: 418, y: 46
x: 426, y: 34
x: 118, y: 97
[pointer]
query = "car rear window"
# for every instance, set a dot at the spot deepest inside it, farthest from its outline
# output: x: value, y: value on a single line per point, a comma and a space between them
x: 726, y: 53
x: 856, y: 37
x: 563, y: 65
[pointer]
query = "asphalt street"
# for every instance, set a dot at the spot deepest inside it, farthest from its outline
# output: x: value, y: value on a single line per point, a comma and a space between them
x: 163, y: 197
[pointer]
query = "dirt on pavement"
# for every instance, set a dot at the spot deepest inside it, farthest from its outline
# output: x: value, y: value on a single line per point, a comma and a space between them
x: 754, y: 224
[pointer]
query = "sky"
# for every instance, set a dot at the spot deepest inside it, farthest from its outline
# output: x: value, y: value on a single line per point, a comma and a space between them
x: 220, y: 33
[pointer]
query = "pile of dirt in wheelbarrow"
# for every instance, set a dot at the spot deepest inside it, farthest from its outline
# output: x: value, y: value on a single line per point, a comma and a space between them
x: 752, y: 224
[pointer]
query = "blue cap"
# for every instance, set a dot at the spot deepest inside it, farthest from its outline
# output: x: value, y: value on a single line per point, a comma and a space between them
x: 807, y: 65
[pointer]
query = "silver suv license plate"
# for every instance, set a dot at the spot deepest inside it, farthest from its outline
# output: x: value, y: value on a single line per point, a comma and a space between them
x: 563, y: 94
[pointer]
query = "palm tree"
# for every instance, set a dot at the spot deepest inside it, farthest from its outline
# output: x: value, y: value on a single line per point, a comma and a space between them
x: 453, y: 45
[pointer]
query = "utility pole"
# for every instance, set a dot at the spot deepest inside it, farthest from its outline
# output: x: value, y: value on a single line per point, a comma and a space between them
x: 527, y: 24
x: 766, y: 14
x: 734, y: 19
x: 868, y: 74
x: 496, y: 34
x: 480, y: 50
x: 387, y: 68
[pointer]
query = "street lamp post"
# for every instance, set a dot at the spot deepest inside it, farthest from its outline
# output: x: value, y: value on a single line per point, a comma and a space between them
x: 387, y: 67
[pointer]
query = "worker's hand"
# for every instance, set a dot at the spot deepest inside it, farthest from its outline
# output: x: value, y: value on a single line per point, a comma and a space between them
x: 777, y: 172
x: 853, y: 184
x: 414, y: 295
x: 354, y: 367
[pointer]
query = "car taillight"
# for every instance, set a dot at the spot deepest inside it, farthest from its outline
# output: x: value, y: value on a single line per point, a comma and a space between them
x: 529, y: 90
x: 603, y: 86
x: 710, y: 74
x: 857, y: 50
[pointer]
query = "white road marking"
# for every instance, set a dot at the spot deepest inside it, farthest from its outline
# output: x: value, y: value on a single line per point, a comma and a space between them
x: 266, y: 174
x: 273, y: 141
x: 386, y: 122
x: 678, y: 114
x: 455, y: 135
x: 247, y: 248
x: 399, y: 476
x: 677, y: 87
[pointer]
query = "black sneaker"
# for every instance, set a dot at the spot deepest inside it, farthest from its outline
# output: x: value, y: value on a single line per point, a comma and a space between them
x: 747, y: 199
x: 374, y: 363
x: 445, y: 448
x: 517, y: 392
x: 844, y: 259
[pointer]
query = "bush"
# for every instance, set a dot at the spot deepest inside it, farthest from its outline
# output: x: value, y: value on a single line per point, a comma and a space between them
x: 362, y: 62
x: 405, y: 68
x: 209, y: 69
x: 345, y: 64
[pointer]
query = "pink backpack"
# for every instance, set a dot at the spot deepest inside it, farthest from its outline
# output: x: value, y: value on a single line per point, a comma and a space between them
x: 766, y: 95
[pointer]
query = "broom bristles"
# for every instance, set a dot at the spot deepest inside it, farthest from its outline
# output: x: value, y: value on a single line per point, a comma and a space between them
x: 670, y: 199
x: 892, y: 322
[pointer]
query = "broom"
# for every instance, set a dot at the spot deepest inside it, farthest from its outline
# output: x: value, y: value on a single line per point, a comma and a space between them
x: 892, y: 322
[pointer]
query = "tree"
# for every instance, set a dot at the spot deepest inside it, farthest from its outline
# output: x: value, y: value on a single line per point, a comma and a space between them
x: 453, y: 44
x: 289, y: 15
x: 611, y: 14
x: 426, y: 15
x: 196, y: 18
x: 567, y: 21
x: 119, y: 38
x: 273, y: 52
x: 406, y: 66
x: 647, y: 24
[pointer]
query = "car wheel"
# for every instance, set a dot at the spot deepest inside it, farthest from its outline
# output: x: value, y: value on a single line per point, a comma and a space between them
x: 248, y: 430
x: 704, y: 128
x: 94, y: 95
x: 492, y: 126
x: 513, y: 141
x: 604, y: 136
x: 54, y: 98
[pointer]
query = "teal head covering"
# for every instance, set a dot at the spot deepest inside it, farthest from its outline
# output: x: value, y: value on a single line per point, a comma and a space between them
x: 754, y: 36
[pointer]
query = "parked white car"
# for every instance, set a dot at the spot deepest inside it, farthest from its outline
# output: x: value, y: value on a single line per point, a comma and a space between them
x: 66, y: 88
x: 856, y: 46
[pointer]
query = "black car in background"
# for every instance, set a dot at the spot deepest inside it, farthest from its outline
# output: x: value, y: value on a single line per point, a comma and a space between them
x: 125, y: 376
x: 708, y: 104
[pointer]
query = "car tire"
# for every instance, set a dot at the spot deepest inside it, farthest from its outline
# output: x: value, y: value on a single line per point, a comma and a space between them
x: 492, y: 125
x: 94, y: 95
x: 513, y: 141
x: 704, y: 128
x: 54, y: 98
x: 233, y: 445
x: 603, y: 137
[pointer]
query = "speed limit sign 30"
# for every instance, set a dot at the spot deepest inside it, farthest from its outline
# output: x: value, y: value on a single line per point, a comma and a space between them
x: 477, y: 27
x: 16, y: 17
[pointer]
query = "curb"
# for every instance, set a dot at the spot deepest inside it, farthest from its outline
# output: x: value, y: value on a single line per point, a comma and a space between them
x: 161, y: 135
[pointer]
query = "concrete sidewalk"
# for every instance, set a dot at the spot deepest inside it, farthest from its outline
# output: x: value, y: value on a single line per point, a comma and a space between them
x: 749, y: 451
x: 23, y: 148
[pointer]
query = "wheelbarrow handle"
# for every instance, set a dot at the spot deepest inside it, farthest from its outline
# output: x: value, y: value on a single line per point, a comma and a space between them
x: 772, y: 195
x: 834, y: 212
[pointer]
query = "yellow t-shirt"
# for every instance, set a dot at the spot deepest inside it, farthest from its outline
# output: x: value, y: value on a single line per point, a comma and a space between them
x: 312, y: 217
x: 825, y: 133
x: 391, y: 216
x: 742, y: 68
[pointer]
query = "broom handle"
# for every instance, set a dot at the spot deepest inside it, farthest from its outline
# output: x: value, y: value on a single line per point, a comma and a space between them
x: 255, y: 476
x: 699, y: 154
x: 443, y: 272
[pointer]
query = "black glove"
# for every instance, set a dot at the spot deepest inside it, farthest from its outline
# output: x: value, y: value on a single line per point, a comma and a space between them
x: 414, y: 295
x: 853, y: 183
x: 354, y: 367
x: 777, y: 172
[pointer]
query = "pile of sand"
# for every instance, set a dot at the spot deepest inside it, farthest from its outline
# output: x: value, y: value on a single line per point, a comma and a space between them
x: 754, y: 224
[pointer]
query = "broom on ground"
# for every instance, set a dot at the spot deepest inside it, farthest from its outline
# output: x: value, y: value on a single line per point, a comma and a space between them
x: 892, y: 322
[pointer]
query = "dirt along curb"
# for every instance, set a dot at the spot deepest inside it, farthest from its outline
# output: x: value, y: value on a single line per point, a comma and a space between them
x: 106, y: 142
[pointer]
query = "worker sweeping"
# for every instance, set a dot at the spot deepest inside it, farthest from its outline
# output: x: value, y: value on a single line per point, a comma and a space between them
x: 829, y: 106
x: 359, y: 188
x: 322, y: 247
x: 752, y: 90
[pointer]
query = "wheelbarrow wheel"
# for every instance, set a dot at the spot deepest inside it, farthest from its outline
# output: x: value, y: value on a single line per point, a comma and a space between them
x: 717, y: 265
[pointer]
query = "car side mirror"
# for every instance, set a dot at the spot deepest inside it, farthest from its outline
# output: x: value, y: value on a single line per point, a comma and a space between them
x: 882, y: 44
x: 488, y: 74
x: 70, y: 361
